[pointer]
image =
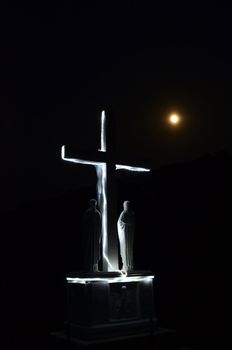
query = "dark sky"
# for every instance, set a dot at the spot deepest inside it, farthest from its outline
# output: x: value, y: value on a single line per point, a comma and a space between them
x: 62, y: 62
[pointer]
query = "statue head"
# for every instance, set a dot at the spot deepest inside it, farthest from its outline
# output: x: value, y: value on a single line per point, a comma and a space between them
x: 127, y: 205
x: 93, y: 204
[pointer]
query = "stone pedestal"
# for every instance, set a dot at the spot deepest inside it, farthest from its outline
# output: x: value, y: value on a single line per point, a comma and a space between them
x: 105, y: 305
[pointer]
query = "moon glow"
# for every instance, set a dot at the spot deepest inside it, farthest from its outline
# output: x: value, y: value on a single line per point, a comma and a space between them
x: 174, y: 119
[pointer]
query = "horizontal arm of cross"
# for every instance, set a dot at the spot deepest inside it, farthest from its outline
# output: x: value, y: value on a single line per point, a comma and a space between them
x: 100, y: 159
x: 131, y: 168
x: 78, y: 160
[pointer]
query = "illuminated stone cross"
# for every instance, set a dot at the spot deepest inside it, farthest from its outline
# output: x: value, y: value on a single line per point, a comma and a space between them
x: 105, y: 170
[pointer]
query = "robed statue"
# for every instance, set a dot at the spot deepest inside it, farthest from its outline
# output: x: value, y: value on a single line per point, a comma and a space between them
x: 126, y: 227
x: 91, y: 237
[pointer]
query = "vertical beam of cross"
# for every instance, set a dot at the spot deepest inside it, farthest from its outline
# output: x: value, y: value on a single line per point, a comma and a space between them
x: 104, y: 173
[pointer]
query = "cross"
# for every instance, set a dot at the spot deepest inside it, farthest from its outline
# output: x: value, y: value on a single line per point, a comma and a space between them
x: 105, y: 170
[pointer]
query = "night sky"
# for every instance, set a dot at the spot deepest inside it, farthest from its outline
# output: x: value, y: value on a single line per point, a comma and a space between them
x: 63, y: 62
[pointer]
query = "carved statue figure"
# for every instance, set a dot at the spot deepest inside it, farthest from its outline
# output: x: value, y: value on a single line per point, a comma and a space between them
x: 126, y: 227
x: 91, y: 237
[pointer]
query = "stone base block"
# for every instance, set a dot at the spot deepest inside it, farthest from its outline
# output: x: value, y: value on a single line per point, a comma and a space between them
x: 106, y: 305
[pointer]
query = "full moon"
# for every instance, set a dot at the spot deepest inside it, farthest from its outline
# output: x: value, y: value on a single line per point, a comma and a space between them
x: 174, y: 119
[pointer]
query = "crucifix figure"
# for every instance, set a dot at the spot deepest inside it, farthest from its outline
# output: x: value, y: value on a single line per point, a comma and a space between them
x: 105, y: 169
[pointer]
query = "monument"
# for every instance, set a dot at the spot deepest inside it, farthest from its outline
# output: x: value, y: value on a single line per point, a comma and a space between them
x: 112, y: 302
